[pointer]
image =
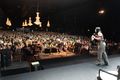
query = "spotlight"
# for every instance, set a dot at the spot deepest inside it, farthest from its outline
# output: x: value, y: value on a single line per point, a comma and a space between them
x: 101, y: 11
x: 35, y: 65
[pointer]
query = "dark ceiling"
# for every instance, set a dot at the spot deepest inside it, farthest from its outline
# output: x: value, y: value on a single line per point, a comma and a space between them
x: 66, y: 15
x: 46, y: 7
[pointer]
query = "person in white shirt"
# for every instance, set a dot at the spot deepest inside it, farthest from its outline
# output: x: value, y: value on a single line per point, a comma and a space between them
x: 101, y: 53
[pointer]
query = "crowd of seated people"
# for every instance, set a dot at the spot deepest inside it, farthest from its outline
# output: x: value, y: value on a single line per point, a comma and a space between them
x: 28, y: 45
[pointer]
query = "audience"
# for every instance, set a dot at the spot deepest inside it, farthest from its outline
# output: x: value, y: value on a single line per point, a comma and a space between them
x: 28, y: 44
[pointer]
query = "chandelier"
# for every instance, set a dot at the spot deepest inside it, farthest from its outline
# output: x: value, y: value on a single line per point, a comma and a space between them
x: 25, y: 23
x: 8, y: 22
x: 37, y: 21
x: 48, y: 23
x: 30, y: 22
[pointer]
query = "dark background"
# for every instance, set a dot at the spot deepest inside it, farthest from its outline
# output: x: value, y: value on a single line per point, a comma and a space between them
x: 71, y: 16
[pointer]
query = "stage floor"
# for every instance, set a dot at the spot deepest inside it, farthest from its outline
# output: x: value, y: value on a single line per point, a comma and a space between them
x: 80, y: 69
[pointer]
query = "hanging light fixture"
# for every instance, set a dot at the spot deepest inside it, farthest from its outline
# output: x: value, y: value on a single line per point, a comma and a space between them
x: 30, y: 22
x: 8, y: 22
x: 37, y: 21
x: 48, y: 23
x: 25, y: 23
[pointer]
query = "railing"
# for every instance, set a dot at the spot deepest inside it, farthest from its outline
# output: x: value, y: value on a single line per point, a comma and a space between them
x: 118, y: 76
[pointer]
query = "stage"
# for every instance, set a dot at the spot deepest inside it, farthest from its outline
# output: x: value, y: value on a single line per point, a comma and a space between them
x: 15, y: 68
x: 76, y: 69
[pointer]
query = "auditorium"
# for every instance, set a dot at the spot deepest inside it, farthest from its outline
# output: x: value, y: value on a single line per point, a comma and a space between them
x: 59, y: 40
